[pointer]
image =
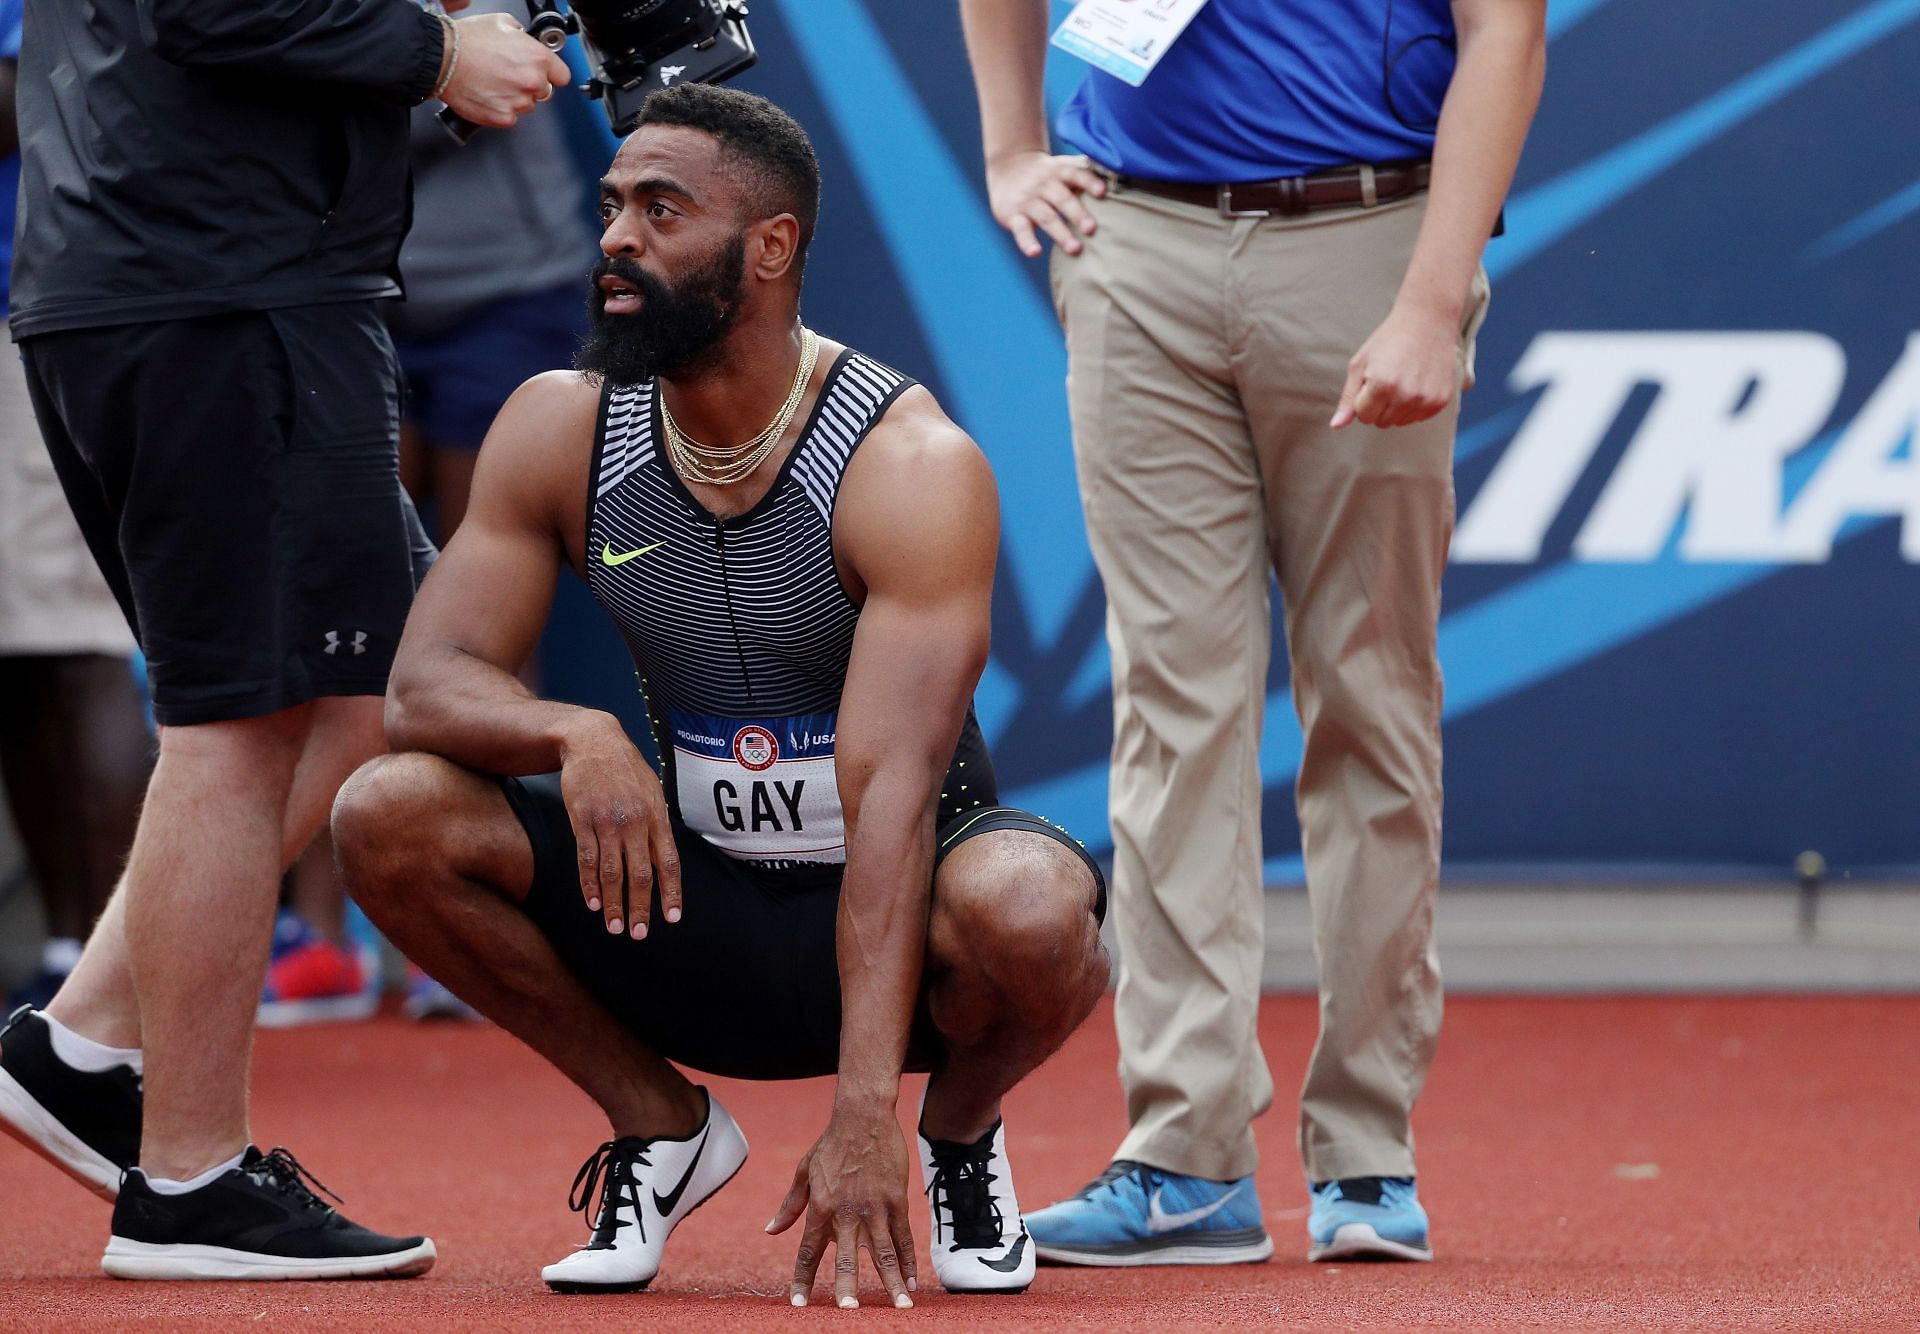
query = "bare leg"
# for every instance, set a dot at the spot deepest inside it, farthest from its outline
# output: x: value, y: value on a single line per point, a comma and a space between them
x: 346, y: 733
x: 98, y: 999
x: 452, y: 469
x: 315, y: 890
x: 76, y: 754
x: 1014, y: 963
x: 416, y: 472
x: 434, y: 855
x: 198, y: 909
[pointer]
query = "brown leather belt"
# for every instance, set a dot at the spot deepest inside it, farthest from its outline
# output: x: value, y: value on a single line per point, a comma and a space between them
x: 1290, y: 196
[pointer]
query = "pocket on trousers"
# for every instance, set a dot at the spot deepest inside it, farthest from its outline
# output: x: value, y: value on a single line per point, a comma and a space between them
x: 1479, y: 297
x: 1058, y: 260
x: 1057, y: 282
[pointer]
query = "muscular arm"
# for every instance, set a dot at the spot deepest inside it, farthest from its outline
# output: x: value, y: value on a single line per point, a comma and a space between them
x: 1407, y: 371
x: 919, y: 526
x: 390, y: 48
x: 916, y: 527
x: 479, y: 615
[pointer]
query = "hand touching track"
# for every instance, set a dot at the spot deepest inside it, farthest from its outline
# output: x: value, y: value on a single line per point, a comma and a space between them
x: 851, y: 1187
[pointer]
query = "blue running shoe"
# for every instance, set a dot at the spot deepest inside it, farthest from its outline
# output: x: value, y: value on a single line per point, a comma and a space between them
x: 428, y: 999
x: 1140, y: 1215
x: 1368, y: 1218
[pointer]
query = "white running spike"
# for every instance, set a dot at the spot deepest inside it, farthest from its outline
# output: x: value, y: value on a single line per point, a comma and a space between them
x: 648, y: 1187
x: 979, y: 1241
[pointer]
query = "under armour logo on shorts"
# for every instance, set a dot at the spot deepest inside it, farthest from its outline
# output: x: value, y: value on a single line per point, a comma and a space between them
x: 358, y: 644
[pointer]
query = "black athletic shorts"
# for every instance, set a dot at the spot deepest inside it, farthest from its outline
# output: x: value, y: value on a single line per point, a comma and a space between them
x: 746, y: 984
x: 236, y: 479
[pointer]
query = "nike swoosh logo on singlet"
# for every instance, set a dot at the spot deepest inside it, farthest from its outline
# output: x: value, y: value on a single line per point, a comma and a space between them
x: 665, y: 1203
x: 608, y: 558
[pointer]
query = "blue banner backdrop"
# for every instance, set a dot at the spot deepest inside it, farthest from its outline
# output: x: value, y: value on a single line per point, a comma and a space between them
x: 1681, y: 618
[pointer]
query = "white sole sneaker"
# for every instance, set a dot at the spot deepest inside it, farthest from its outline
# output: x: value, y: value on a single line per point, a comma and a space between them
x: 140, y: 1259
x: 328, y: 1010
x: 22, y: 1117
x: 1233, y: 1251
x: 1353, y: 1241
x: 634, y: 1216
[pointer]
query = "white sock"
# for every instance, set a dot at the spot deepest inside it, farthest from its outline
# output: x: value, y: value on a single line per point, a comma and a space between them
x: 84, y: 1053
x: 60, y: 954
x: 165, y: 1186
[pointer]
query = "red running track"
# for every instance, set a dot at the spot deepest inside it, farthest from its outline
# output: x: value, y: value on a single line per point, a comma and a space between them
x: 1655, y: 1163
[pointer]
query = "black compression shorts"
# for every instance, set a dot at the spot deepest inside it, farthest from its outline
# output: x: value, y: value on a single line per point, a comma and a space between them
x: 746, y: 985
x: 236, y: 479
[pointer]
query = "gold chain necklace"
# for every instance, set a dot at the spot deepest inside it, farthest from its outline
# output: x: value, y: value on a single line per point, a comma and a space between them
x: 722, y: 465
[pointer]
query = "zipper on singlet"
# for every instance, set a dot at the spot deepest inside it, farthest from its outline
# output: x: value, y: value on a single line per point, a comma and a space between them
x: 726, y: 596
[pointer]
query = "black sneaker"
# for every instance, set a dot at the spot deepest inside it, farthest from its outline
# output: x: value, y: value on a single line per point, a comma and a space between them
x: 259, y: 1220
x: 87, y: 1125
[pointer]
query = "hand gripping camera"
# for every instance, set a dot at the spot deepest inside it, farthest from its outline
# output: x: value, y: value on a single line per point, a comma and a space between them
x: 636, y: 46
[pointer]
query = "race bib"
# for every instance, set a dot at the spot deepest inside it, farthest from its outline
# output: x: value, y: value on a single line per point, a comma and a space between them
x: 760, y: 789
x: 1126, y: 38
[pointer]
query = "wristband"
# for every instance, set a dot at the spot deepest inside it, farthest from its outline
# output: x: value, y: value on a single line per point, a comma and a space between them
x: 453, y: 56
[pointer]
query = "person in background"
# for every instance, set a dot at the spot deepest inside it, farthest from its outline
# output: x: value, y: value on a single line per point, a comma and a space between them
x: 324, y: 964
x: 494, y: 260
x: 74, y: 747
x: 212, y: 200
x: 1268, y: 266
x: 493, y: 266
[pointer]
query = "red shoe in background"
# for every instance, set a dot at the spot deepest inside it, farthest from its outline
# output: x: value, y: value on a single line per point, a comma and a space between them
x: 311, y: 980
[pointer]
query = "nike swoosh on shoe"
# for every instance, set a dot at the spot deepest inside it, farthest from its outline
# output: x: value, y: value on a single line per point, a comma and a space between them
x: 665, y: 1203
x: 1159, y: 1220
x: 1009, y: 1262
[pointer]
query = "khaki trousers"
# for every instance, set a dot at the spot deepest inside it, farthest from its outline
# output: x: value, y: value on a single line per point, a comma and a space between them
x: 1205, y: 356
x: 53, y: 598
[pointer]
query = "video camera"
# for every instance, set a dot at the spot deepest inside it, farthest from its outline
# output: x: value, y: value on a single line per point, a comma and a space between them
x: 636, y: 46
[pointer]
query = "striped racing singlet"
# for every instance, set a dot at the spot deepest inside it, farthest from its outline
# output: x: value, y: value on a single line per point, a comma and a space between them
x: 740, y: 628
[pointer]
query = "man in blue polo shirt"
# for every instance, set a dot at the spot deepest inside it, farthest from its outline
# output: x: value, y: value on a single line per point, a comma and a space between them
x: 1268, y: 265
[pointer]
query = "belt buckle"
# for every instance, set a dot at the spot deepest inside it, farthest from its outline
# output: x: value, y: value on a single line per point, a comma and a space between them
x: 1293, y: 199
x: 1223, y: 195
